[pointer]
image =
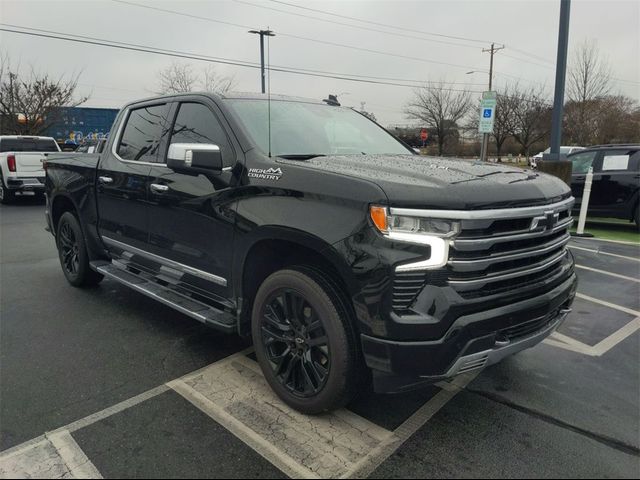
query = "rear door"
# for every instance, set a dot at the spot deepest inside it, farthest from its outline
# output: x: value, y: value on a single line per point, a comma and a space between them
x: 615, y: 182
x: 123, y: 176
x: 191, y: 214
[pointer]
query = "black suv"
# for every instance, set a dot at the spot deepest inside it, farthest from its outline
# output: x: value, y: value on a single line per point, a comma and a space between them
x: 616, y: 180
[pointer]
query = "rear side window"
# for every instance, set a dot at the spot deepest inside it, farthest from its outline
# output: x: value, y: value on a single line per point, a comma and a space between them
x: 143, y: 133
x: 582, y: 161
x: 195, y: 123
x: 28, y: 145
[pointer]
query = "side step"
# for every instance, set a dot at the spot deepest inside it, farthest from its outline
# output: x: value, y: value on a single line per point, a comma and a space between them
x: 202, y: 312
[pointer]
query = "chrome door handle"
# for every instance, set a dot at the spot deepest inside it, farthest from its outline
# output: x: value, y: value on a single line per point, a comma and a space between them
x: 105, y: 180
x: 157, y: 188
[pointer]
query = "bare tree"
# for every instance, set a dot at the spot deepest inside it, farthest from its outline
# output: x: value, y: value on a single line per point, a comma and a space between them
x: 440, y: 107
x: 212, y: 81
x: 181, y: 77
x: 589, y: 81
x: 530, y: 116
x: 589, y: 74
x: 30, y: 103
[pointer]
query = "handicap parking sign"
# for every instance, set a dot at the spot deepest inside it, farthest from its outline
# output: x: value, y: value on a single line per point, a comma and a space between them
x: 486, y: 113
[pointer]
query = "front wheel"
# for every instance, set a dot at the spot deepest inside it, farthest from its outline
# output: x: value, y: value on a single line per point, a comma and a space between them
x: 73, y: 254
x: 304, y: 340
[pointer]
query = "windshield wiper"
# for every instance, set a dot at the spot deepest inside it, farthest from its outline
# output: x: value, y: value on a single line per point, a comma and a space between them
x: 301, y: 156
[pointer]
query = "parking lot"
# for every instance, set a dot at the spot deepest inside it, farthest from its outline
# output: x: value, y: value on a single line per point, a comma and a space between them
x: 108, y: 383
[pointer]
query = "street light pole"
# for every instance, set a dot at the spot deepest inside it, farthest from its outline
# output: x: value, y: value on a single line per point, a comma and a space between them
x: 561, y: 73
x: 485, y: 136
x: 262, y: 34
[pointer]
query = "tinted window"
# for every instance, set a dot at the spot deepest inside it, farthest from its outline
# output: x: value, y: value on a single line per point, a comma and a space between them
x: 28, y: 145
x: 582, y: 161
x: 143, y: 133
x: 195, y: 123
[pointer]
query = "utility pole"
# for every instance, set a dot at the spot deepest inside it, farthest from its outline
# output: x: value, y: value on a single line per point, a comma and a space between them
x: 262, y: 34
x: 485, y: 136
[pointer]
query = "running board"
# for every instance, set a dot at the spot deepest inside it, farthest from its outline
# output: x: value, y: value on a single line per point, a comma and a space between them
x: 200, y: 311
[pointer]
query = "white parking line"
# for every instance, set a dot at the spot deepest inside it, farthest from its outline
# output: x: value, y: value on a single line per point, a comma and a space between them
x: 375, y: 457
x: 49, y: 456
x: 608, y: 304
x: 600, y: 252
x: 604, y: 272
x: 620, y: 242
x: 563, y: 341
x: 235, y: 394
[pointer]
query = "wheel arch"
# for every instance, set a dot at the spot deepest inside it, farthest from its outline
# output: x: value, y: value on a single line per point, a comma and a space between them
x: 275, y: 248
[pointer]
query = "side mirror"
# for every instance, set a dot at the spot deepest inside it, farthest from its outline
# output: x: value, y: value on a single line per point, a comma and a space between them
x: 194, y: 155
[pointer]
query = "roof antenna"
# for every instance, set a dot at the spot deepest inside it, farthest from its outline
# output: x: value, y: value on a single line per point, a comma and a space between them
x: 269, y: 88
x: 332, y: 100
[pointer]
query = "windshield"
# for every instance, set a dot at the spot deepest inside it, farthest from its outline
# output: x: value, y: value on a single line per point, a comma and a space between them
x: 312, y: 129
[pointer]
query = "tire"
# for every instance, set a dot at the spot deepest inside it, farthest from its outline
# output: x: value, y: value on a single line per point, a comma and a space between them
x: 72, y: 252
x: 311, y: 359
x: 6, y: 196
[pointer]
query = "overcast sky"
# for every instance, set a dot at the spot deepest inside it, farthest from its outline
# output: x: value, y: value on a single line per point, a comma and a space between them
x: 527, y: 28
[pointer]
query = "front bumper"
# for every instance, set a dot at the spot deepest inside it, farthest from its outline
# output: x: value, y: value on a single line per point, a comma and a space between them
x: 472, y: 342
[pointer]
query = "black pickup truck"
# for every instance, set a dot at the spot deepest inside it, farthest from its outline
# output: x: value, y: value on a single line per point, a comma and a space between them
x: 309, y: 227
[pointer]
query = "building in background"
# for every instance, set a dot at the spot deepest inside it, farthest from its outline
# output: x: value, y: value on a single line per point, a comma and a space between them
x: 79, y: 124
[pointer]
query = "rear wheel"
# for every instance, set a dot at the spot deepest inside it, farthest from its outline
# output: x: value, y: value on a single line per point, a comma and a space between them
x: 6, y: 196
x: 304, y: 340
x: 73, y: 254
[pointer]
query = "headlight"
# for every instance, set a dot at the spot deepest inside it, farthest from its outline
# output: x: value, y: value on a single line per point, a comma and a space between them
x: 388, y: 224
x: 431, y: 232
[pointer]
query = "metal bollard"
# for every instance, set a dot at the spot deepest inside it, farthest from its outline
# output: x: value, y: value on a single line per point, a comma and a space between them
x: 584, y: 206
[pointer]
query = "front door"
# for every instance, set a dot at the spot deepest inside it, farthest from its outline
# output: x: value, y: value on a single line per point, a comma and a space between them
x: 123, y: 176
x: 192, y: 215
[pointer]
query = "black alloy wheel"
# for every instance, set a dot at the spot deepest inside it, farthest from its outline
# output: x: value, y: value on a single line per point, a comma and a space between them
x: 72, y: 251
x: 295, y: 343
x: 69, y: 249
x: 305, y: 340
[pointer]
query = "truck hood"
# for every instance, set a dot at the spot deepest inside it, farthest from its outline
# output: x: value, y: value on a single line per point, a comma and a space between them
x: 434, y: 182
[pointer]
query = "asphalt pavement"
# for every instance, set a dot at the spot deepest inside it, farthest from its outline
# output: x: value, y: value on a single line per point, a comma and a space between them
x: 106, y: 382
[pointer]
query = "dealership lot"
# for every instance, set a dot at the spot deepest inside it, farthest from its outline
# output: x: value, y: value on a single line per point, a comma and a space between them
x: 106, y: 382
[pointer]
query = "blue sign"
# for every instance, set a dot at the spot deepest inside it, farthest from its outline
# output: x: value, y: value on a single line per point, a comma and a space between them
x: 486, y: 113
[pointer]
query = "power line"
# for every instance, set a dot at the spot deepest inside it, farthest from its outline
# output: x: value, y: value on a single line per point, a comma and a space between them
x: 298, y: 37
x: 191, y: 56
x: 355, y: 26
x: 403, y: 28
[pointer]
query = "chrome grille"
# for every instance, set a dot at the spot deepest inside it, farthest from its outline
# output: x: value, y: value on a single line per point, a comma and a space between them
x: 487, y: 257
x: 496, y: 251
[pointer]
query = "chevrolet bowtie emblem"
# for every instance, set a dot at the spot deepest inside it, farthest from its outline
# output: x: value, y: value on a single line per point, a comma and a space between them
x: 550, y: 218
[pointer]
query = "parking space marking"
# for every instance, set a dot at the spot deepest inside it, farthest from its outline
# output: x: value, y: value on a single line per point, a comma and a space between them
x: 365, y: 466
x: 235, y: 394
x: 604, y: 272
x: 608, y: 304
x: 54, y: 455
x: 600, y: 252
x: 563, y: 341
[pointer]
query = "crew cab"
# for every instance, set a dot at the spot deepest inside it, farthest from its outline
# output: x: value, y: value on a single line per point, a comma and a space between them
x: 21, y: 167
x: 307, y: 226
x: 615, y: 191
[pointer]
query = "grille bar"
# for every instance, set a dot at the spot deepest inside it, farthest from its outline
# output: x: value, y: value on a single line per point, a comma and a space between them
x: 509, y: 274
x: 486, y: 243
x: 467, y: 265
